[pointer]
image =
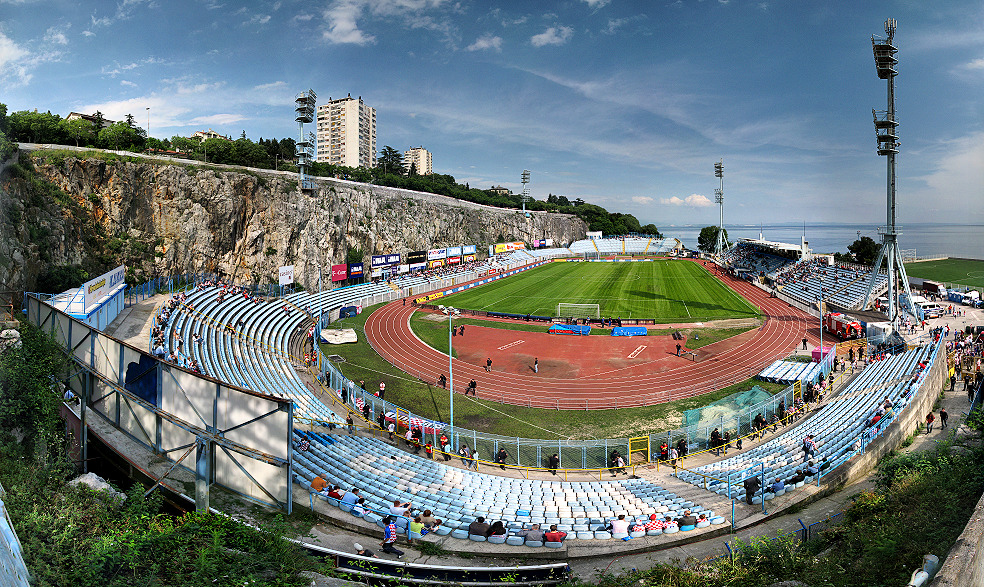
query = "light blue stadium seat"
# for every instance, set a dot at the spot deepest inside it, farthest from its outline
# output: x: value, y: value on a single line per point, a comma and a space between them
x: 602, y: 535
x: 497, y: 539
x: 463, y: 534
x: 654, y: 532
x: 637, y: 534
x: 442, y: 530
x: 703, y: 523
x: 554, y: 544
x: 671, y: 530
x: 515, y: 540
x: 534, y: 543
x: 585, y: 535
x: 477, y: 538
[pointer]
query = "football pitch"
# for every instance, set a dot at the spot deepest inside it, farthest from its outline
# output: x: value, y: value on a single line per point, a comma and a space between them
x: 962, y: 271
x: 666, y: 291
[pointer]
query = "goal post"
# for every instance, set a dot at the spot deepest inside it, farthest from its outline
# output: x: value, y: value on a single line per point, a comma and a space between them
x: 579, y: 311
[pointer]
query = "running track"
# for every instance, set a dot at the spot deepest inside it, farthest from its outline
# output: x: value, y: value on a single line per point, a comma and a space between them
x: 388, y: 331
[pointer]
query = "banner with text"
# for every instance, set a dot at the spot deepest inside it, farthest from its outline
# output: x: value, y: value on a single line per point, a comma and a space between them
x: 355, y: 269
x: 436, y: 263
x: 469, y: 258
x: 287, y: 275
x: 468, y: 250
x: 384, y: 260
x: 433, y: 254
x: 339, y: 272
x: 454, y: 260
x: 454, y: 251
x: 416, y: 257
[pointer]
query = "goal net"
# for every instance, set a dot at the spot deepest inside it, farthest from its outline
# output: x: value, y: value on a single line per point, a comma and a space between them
x: 565, y: 310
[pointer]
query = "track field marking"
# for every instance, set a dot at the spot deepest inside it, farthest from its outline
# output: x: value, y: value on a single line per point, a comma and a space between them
x: 686, y: 308
x: 636, y: 352
x: 510, y: 345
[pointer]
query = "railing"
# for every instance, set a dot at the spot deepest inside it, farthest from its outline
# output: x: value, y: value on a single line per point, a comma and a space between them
x: 800, y: 535
x: 14, y: 570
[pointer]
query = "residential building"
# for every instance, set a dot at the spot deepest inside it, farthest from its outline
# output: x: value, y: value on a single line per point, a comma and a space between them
x: 419, y: 157
x: 498, y: 189
x: 91, y: 118
x: 204, y: 135
x: 347, y: 133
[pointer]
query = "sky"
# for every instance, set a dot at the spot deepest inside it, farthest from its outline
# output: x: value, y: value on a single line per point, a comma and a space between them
x: 625, y: 104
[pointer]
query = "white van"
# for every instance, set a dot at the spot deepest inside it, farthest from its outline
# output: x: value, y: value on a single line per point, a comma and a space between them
x: 931, y: 309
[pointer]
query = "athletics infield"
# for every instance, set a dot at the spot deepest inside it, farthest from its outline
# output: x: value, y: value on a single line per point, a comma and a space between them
x: 593, y: 372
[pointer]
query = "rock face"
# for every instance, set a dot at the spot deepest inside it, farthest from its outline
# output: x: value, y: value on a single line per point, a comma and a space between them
x: 240, y: 224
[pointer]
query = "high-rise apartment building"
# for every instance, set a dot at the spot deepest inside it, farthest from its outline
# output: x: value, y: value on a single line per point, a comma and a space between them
x: 420, y: 157
x: 347, y: 133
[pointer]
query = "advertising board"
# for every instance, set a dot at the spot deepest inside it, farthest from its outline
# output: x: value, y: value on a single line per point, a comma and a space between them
x: 384, y: 260
x: 339, y: 272
x: 435, y: 263
x: 355, y: 269
x: 454, y: 251
x: 287, y: 275
x: 468, y: 250
x: 433, y: 254
x: 469, y: 258
x: 416, y: 257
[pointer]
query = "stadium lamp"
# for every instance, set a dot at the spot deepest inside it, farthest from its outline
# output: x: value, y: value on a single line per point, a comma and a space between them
x: 451, y: 313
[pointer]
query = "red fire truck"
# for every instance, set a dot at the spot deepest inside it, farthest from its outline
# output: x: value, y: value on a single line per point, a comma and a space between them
x: 842, y: 326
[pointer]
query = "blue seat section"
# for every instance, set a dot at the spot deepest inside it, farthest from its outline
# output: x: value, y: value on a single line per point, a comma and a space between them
x: 836, y: 426
x: 457, y: 496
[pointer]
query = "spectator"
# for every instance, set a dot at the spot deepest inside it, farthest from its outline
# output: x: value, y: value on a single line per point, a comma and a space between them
x: 351, y: 497
x: 501, y: 457
x: 553, y: 463
x: 465, y: 454
x: 389, y: 537
x: 496, y: 529
x: 777, y: 486
x: 533, y: 533
x: 303, y: 445
x: 669, y: 523
x: 335, y: 492
x: 319, y: 485
x: 752, y: 485
x: 474, y: 460
x: 673, y: 456
x: 350, y: 423
x: 619, y: 526
x: 555, y: 535
x: 943, y: 418
x: 811, y: 470
x: 417, y: 526
x: 478, y: 527
x: 809, y: 447
x: 429, y: 520
x: 654, y: 523
x: 798, y: 477
x: 400, y: 509
x: 363, y: 551
x: 687, y: 519
x: 930, y: 418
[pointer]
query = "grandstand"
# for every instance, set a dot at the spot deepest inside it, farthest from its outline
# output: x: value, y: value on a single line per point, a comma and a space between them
x: 384, y: 473
x: 842, y: 427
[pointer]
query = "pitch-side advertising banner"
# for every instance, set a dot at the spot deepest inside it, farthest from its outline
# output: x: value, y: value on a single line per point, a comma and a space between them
x: 469, y: 258
x: 355, y: 269
x: 436, y: 263
x: 384, y: 260
x: 339, y: 272
x: 287, y: 275
x: 433, y: 254
x: 468, y: 250
x: 454, y: 251
x: 454, y: 260
x: 416, y: 257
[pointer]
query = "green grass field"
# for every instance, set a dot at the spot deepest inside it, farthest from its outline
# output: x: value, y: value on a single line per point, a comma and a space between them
x: 667, y: 291
x: 962, y: 271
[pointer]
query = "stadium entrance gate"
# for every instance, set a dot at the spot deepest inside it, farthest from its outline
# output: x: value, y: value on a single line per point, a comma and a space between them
x: 639, y: 446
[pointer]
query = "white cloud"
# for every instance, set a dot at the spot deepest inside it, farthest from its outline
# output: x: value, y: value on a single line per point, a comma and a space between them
x: 217, y: 119
x: 56, y: 35
x: 975, y: 64
x: 12, y: 68
x: 642, y: 200
x: 127, y: 83
x: 596, y: 3
x: 957, y: 173
x: 342, y: 18
x: 693, y: 200
x: 88, y: 34
x: 259, y: 19
x: 487, y: 41
x: 552, y: 36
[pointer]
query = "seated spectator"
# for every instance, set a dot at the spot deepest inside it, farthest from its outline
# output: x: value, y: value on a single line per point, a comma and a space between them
x: 478, y: 527
x: 416, y: 525
x: 702, y: 518
x: 811, y: 469
x: 303, y: 445
x: 799, y: 477
x: 429, y: 520
x: 638, y: 527
x: 555, y: 535
x: 777, y: 486
x: 319, y: 485
x: 533, y: 533
x: 654, y: 523
x: 360, y: 507
x: 400, y: 508
x: 687, y: 519
x: 351, y: 497
x: 335, y: 491
x: 496, y: 529
x: 669, y: 523
x: 619, y: 526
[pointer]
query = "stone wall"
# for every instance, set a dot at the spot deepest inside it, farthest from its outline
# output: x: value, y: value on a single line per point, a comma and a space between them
x: 242, y: 224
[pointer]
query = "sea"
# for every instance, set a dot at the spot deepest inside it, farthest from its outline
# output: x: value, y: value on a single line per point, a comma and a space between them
x: 928, y: 239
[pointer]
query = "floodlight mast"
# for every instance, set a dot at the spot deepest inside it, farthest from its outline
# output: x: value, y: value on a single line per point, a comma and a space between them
x: 887, y: 138
x: 304, y: 107
x: 526, y: 192
x: 719, y: 200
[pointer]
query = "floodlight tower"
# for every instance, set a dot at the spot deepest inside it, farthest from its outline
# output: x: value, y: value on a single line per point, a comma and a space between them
x: 526, y: 191
x: 719, y: 200
x: 887, y: 139
x: 304, y: 106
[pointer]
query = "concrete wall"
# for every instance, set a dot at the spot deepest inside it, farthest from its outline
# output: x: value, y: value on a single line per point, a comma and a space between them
x: 964, y: 564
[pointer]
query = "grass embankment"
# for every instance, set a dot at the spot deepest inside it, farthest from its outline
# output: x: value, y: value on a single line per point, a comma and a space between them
x: 665, y: 291
x: 962, y: 271
x: 362, y: 363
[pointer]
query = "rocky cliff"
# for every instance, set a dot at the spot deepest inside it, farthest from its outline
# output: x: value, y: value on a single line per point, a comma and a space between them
x: 162, y: 219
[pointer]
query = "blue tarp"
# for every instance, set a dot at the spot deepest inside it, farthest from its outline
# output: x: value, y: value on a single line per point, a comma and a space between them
x: 570, y: 329
x: 629, y: 331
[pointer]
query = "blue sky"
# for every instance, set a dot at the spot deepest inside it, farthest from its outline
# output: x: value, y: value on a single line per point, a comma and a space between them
x: 624, y: 104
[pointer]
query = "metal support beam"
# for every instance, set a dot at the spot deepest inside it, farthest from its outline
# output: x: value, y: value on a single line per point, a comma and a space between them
x: 202, y: 474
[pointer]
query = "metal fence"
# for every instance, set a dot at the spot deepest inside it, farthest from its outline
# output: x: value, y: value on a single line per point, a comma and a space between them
x: 797, y: 536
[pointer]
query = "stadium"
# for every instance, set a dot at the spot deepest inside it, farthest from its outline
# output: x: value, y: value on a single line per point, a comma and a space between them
x: 268, y: 412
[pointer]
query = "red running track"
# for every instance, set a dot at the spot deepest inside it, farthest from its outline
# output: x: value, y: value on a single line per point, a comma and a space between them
x: 388, y: 331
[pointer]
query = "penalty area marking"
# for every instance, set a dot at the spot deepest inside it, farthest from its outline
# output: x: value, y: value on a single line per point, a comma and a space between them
x: 636, y: 352
x: 510, y: 345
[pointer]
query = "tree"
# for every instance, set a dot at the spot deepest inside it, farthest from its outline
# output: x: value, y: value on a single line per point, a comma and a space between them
x: 707, y: 240
x: 79, y: 129
x: 99, y: 121
x: 120, y: 136
x: 130, y: 121
x: 865, y: 250
x: 390, y: 161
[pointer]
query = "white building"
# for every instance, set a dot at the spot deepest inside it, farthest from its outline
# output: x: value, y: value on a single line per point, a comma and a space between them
x: 347, y: 133
x: 419, y: 157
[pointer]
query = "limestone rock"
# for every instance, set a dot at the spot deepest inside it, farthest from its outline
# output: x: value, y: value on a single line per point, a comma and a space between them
x: 9, y: 339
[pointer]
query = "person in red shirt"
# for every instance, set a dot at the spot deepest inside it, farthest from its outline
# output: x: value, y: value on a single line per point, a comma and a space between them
x: 554, y: 535
x: 654, y: 523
